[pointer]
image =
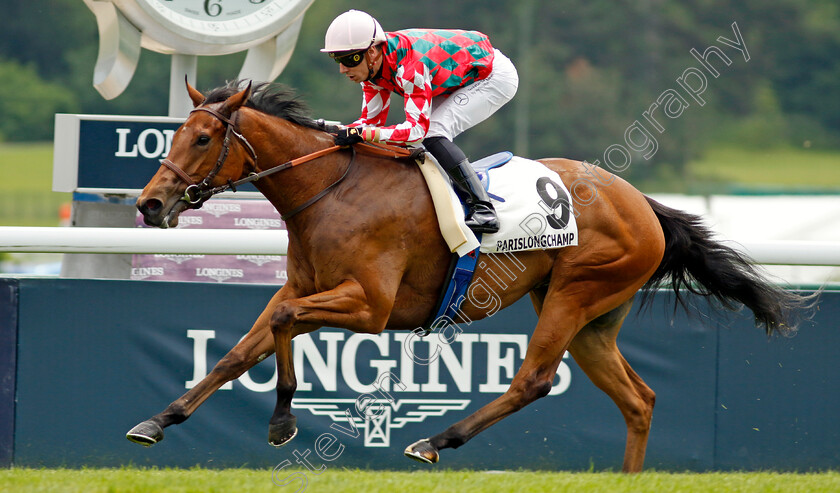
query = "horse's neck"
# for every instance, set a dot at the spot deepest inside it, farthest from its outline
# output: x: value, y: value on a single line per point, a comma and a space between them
x: 281, y: 141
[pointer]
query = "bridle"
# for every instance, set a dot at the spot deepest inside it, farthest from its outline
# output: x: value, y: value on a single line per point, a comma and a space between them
x: 197, y: 193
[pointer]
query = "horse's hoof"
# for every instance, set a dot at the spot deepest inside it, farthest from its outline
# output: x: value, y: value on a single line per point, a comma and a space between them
x: 282, y: 433
x: 146, y: 433
x: 422, y: 451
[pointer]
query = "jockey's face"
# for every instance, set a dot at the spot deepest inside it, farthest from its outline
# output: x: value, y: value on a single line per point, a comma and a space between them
x: 361, y: 72
x: 357, y: 74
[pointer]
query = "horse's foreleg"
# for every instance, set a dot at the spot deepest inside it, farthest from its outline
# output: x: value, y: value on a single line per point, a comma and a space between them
x: 253, y: 348
x: 347, y: 306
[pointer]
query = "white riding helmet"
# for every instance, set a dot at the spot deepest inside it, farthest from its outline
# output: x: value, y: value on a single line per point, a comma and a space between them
x: 352, y: 31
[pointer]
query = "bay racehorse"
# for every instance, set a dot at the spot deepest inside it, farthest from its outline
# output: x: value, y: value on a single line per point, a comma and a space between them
x: 365, y: 254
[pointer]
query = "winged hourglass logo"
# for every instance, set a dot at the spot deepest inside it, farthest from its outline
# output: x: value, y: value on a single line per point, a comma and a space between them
x: 395, y: 414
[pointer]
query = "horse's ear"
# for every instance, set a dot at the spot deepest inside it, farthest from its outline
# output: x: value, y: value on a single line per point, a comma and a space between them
x: 195, y: 95
x: 236, y: 101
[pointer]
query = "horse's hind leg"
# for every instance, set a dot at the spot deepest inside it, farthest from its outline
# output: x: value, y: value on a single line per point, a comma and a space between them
x: 595, y: 351
x: 565, y: 308
x: 558, y: 323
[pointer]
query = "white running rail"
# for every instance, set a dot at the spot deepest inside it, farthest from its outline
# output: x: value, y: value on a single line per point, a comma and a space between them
x: 276, y: 242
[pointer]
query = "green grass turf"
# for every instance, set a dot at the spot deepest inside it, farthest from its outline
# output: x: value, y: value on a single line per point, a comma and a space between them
x: 339, y: 480
x: 782, y: 167
x: 26, y: 196
x: 26, y: 167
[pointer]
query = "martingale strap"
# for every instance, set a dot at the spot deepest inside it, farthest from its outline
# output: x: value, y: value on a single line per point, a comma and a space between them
x: 270, y: 171
x: 370, y: 148
x: 319, y: 195
x: 461, y: 271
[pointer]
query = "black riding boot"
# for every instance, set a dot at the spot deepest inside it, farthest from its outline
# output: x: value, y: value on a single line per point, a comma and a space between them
x: 481, y: 216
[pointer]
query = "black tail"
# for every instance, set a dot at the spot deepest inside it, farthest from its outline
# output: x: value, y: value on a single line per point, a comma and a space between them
x: 722, y: 273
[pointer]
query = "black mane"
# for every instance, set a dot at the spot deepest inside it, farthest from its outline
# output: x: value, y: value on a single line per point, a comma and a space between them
x: 271, y: 98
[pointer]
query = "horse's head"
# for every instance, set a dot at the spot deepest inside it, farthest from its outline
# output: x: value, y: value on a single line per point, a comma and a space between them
x: 207, y: 152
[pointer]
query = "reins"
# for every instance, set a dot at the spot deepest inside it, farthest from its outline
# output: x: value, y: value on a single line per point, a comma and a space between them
x: 231, y: 185
x: 197, y: 193
x: 323, y: 192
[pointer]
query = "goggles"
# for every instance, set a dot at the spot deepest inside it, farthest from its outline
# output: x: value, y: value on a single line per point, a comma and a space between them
x: 349, y: 60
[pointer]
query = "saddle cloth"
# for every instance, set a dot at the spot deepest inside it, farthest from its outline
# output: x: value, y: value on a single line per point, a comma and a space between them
x: 533, y: 204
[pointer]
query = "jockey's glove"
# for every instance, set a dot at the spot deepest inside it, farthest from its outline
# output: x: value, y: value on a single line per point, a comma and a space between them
x: 348, y: 136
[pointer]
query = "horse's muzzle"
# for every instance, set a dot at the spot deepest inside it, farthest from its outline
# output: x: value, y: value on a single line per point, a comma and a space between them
x: 155, y: 214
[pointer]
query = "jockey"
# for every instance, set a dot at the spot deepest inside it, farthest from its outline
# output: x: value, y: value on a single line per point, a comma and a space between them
x: 451, y: 80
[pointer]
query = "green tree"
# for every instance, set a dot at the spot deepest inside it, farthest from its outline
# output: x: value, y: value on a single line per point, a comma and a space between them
x: 29, y: 104
x: 592, y: 67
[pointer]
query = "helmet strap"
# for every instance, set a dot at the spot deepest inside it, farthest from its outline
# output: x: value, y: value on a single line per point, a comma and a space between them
x: 371, y: 62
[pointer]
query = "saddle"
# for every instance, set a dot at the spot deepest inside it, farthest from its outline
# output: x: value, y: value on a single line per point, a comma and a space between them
x: 459, y: 238
x: 463, y: 242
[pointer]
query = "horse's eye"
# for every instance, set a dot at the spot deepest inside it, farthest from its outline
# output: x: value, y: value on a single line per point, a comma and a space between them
x: 203, y: 140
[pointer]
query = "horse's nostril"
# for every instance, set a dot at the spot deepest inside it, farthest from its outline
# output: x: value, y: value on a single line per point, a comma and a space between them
x: 150, y: 205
